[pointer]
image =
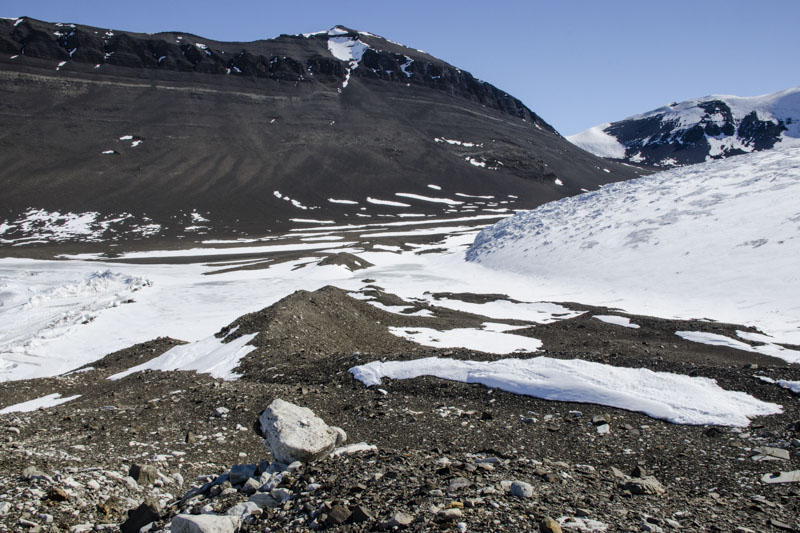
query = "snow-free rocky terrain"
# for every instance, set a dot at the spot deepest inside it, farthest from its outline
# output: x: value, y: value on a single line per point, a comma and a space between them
x: 712, y: 127
x: 112, y: 137
x: 580, y: 387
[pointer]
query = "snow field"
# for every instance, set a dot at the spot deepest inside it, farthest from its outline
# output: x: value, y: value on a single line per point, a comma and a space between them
x: 716, y: 240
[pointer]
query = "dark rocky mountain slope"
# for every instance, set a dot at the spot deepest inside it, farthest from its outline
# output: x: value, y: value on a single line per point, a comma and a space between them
x: 152, y: 134
x: 713, y: 127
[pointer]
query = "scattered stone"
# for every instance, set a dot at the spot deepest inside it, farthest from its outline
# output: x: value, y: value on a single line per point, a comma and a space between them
x: 143, y: 474
x: 521, y: 489
x: 398, y: 520
x: 243, y: 510
x: 32, y: 473
x: 295, y: 433
x: 361, y: 514
x: 354, y: 448
x: 146, y: 513
x: 782, y: 477
x: 251, y: 486
x: 337, y: 516
x: 766, y: 453
x: 449, y: 515
x: 458, y: 483
x: 599, y: 420
x: 548, y: 525
x: 603, y: 429
x: 4, y: 508
x: 264, y: 500
x: 205, y: 523
x: 57, y: 494
x: 645, y: 485
x: 221, y: 412
x: 239, y: 474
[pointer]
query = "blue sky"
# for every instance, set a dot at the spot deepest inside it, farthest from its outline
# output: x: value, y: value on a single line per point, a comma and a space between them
x: 577, y: 63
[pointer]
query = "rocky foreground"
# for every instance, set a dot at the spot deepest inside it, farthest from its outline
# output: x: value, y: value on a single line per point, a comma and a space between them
x: 181, y: 451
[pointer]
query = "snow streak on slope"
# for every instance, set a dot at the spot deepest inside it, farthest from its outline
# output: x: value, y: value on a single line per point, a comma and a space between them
x: 719, y: 240
x: 673, y: 397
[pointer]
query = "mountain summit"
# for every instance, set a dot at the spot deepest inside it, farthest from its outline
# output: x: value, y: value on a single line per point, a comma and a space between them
x: 713, y: 127
x: 169, y: 135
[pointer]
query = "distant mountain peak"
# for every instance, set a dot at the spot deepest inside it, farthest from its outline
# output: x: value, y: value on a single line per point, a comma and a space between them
x: 697, y: 130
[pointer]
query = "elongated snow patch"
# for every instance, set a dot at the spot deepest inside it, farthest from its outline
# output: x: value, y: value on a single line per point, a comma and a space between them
x: 51, y: 400
x: 673, y: 397
x: 206, y: 356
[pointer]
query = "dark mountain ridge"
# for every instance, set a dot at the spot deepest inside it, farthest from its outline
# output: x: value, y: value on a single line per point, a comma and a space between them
x: 144, y: 130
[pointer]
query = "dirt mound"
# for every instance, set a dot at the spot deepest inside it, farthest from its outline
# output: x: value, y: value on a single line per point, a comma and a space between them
x: 349, y: 261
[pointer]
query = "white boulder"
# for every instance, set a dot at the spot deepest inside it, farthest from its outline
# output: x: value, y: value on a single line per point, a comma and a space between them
x: 204, y: 523
x: 295, y: 433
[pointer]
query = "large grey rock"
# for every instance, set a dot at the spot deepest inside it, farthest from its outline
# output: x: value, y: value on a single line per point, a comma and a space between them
x: 239, y: 474
x: 204, y: 523
x: 521, y: 489
x: 295, y: 433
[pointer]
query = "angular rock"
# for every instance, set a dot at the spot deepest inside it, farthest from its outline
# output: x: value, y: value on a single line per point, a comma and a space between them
x: 295, y: 433
x: 239, y: 474
x: 521, y: 489
x: 361, y: 514
x: 149, y: 511
x: 32, y: 473
x: 548, y: 525
x: 449, y: 515
x: 143, y: 474
x: 205, y: 523
x: 398, y: 520
x: 767, y: 453
x: 354, y: 448
x: 458, y: 484
x: 782, y: 477
x: 243, y: 510
x: 645, y: 485
x: 251, y: 486
x: 341, y: 435
x: 264, y: 500
x: 337, y: 516
x: 57, y: 494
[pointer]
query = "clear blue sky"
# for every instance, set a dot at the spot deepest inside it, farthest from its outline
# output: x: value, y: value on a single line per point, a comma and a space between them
x: 577, y: 63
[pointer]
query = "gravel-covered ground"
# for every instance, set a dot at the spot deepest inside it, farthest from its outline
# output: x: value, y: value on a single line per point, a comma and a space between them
x: 447, y: 453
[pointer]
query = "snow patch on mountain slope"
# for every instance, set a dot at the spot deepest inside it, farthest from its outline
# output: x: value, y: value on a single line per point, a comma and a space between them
x: 673, y: 397
x: 211, y: 355
x: 595, y: 140
x: 716, y: 239
x: 346, y: 47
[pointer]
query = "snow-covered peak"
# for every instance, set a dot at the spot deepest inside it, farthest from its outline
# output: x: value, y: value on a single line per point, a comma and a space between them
x: 712, y: 127
x: 345, y: 47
